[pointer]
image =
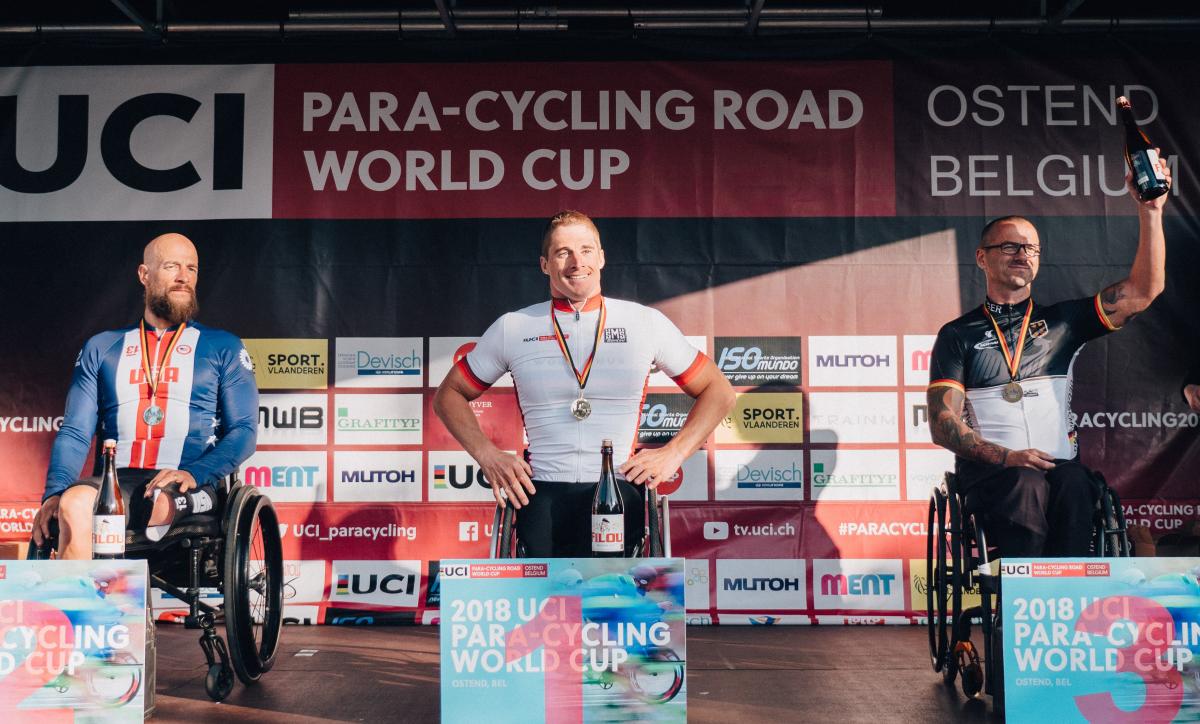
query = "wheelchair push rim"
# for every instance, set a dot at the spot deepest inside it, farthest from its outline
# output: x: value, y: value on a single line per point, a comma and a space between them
x: 253, y: 585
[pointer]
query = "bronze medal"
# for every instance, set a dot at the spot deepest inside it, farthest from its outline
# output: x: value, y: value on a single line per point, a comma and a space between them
x: 1012, y: 392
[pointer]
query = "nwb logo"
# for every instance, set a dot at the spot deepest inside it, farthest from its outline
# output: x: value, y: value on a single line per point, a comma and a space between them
x: 116, y: 152
x: 349, y: 584
x: 858, y: 584
x: 291, y: 418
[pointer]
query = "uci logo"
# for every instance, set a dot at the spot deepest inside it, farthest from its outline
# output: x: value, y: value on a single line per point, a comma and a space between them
x: 1016, y: 569
x: 735, y: 358
x: 116, y: 151
x: 459, y: 571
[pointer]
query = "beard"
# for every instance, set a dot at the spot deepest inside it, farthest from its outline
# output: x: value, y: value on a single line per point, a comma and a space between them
x: 174, y: 312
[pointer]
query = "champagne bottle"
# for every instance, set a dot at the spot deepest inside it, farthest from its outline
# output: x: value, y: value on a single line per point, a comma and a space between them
x: 608, y: 510
x: 108, y: 518
x: 1141, y: 157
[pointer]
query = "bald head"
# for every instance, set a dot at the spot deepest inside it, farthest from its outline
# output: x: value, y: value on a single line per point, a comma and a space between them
x: 169, y: 270
x: 169, y: 246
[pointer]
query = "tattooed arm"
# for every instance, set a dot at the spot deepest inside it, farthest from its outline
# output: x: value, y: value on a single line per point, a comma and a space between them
x: 948, y: 430
x: 1127, y: 298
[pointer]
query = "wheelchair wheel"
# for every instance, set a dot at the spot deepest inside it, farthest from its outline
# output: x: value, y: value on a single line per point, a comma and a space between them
x: 995, y: 664
x: 508, y: 533
x: 654, y: 525
x: 218, y: 682
x: 936, y: 540
x: 1113, y: 541
x: 954, y: 582
x: 253, y: 584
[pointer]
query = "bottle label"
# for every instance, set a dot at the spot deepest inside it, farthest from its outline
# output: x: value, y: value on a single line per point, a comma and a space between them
x: 608, y: 533
x: 108, y: 534
x: 1146, y: 170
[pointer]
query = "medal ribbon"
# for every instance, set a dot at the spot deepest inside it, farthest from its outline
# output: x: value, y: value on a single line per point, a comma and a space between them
x: 1012, y: 359
x: 152, y: 377
x: 580, y: 377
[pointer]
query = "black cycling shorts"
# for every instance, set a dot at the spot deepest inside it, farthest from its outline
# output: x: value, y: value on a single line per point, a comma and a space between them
x: 557, y: 523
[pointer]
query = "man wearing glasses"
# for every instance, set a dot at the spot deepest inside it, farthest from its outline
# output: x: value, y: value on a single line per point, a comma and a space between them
x: 1000, y: 387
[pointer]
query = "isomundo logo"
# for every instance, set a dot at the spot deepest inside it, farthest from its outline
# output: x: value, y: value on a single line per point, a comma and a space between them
x: 663, y: 415
x: 384, y: 583
x: 752, y: 361
x: 183, y: 142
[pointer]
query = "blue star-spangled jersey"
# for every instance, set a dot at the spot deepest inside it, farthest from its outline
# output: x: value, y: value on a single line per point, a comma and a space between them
x: 207, y: 394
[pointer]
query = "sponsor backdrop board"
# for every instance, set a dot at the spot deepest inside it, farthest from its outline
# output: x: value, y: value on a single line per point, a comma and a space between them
x: 74, y: 636
x: 507, y: 645
x: 361, y: 226
x: 1111, y: 640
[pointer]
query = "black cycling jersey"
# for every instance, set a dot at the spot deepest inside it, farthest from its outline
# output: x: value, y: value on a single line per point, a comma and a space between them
x: 967, y: 355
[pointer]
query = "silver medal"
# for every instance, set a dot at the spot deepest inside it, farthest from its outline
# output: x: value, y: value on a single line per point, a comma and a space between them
x: 581, y: 408
x: 153, y: 415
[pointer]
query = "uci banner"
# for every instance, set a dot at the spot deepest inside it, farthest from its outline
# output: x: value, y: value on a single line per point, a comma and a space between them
x: 563, y: 640
x: 73, y: 639
x: 1101, y: 640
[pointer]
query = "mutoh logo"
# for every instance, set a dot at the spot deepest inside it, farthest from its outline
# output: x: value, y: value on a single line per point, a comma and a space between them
x: 761, y: 584
x: 379, y: 476
x: 854, y: 360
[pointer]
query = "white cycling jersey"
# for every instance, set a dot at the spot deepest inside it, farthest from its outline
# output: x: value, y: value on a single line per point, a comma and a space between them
x: 635, y: 340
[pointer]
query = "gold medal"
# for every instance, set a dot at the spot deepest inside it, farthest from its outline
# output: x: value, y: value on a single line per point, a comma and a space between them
x: 1012, y: 392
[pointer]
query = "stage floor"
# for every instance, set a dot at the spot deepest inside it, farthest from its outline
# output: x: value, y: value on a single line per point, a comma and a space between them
x: 741, y: 674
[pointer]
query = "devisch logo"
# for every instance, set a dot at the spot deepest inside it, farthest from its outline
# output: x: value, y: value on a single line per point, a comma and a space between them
x: 752, y: 361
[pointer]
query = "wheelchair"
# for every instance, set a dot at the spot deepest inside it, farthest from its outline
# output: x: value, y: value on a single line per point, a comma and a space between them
x: 958, y: 564
x: 655, y: 543
x: 235, y: 548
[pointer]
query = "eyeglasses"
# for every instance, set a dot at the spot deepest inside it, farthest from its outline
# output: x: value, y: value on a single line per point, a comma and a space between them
x: 1010, y: 248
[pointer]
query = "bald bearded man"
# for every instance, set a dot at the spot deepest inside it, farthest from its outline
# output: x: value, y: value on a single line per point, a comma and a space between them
x: 178, y: 397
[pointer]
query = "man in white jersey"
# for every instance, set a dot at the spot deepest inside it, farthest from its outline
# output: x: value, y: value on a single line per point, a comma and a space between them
x: 580, y: 364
